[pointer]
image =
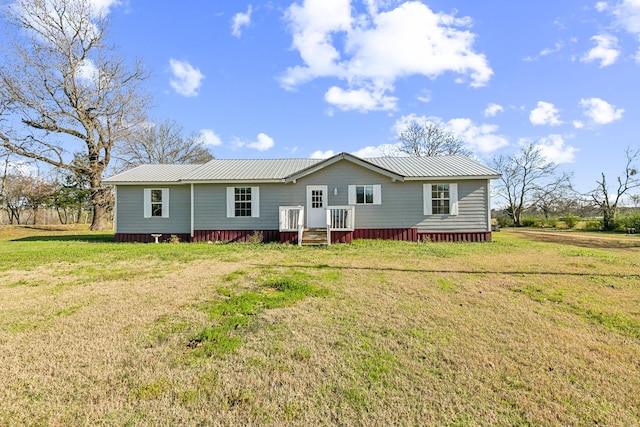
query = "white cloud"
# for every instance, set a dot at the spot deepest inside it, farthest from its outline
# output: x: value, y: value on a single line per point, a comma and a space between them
x: 600, y: 111
x: 578, y: 124
x: 627, y: 18
x: 606, y: 50
x: 87, y: 71
x: 263, y: 142
x: 373, y: 49
x: 359, y: 99
x: 186, y: 79
x: 371, y: 151
x: 22, y: 167
x: 239, y: 21
x: 322, y: 154
x: 601, y: 6
x: 493, y: 109
x: 480, y: 138
x: 553, y: 148
x: 550, y: 50
x: 544, y: 114
x: 424, y: 96
x: 209, y: 137
x: 627, y: 14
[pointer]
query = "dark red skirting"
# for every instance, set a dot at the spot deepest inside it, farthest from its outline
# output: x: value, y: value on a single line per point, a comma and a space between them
x: 268, y: 236
x: 405, y: 234
x: 148, y: 238
x: 458, y: 236
x: 229, y: 236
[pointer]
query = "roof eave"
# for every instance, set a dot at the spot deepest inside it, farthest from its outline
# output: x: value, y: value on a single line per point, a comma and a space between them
x: 105, y: 182
x: 451, y: 177
x: 233, y: 181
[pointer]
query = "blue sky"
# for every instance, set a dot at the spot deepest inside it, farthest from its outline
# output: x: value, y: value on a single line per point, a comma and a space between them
x: 310, y: 78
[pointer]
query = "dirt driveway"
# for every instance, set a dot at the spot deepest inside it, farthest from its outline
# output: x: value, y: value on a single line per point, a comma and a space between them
x: 577, y: 238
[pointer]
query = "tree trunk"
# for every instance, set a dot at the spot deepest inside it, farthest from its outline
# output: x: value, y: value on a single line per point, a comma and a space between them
x: 608, y: 220
x: 100, y: 198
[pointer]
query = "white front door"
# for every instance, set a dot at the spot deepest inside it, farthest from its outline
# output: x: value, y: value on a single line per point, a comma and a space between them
x: 316, y: 203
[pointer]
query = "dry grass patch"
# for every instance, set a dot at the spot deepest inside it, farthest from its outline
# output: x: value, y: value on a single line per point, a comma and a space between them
x: 514, y: 332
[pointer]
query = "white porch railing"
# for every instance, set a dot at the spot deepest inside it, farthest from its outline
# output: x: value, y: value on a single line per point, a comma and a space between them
x: 339, y: 218
x: 292, y: 219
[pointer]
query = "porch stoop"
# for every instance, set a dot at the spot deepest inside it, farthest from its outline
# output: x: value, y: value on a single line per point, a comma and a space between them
x: 314, y: 237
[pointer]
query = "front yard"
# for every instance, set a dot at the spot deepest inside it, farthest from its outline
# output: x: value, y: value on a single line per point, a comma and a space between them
x: 514, y: 332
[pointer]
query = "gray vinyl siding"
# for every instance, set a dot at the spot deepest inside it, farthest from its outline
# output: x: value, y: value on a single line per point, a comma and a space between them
x: 130, y: 210
x: 211, y: 206
x: 402, y: 202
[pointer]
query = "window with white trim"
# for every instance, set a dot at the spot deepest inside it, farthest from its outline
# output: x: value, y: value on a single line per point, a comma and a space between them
x: 440, y: 199
x: 365, y: 194
x: 243, y: 202
x: 156, y: 203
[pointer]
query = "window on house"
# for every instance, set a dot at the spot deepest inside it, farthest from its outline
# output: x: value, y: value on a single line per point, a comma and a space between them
x: 156, y: 202
x: 365, y: 194
x: 316, y: 199
x: 440, y: 199
x: 242, y: 202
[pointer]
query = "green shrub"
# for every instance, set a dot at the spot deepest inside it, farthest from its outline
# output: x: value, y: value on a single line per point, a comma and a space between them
x: 594, y: 225
x: 504, y: 221
x: 630, y: 221
x: 256, y: 237
x: 571, y: 220
x: 550, y: 222
x: 528, y: 222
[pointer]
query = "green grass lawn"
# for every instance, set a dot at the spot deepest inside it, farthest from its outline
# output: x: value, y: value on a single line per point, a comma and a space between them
x: 519, y: 331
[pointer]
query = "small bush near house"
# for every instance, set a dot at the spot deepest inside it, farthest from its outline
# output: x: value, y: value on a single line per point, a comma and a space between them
x: 174, y: 239
x: 256, y: 237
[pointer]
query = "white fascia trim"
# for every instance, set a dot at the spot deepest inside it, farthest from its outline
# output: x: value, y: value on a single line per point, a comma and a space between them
x: 452, y: 178
x: 235, y: 182
x: 143, y: 183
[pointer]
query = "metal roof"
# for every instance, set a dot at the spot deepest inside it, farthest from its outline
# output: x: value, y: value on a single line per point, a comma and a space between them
x: 151, y: 173
x: 248, y: 170
x: 435, y: 167
x: 278, y: 170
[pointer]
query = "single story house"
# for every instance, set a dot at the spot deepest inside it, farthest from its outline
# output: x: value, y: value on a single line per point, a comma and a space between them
x: 443, y: 198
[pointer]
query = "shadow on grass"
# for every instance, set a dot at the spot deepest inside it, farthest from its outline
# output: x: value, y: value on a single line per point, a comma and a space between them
x: 97, y: 238
x: 429, y: 270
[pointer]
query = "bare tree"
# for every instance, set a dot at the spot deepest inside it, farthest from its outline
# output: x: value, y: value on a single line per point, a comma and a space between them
x: 3, y: 186
x: 607, y: 202
x: 162, y: 143
x: 66, y: 90
x: 420, y: 138
x: 24, y: 194
x: 526, y: 178
x: 554, y: 197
